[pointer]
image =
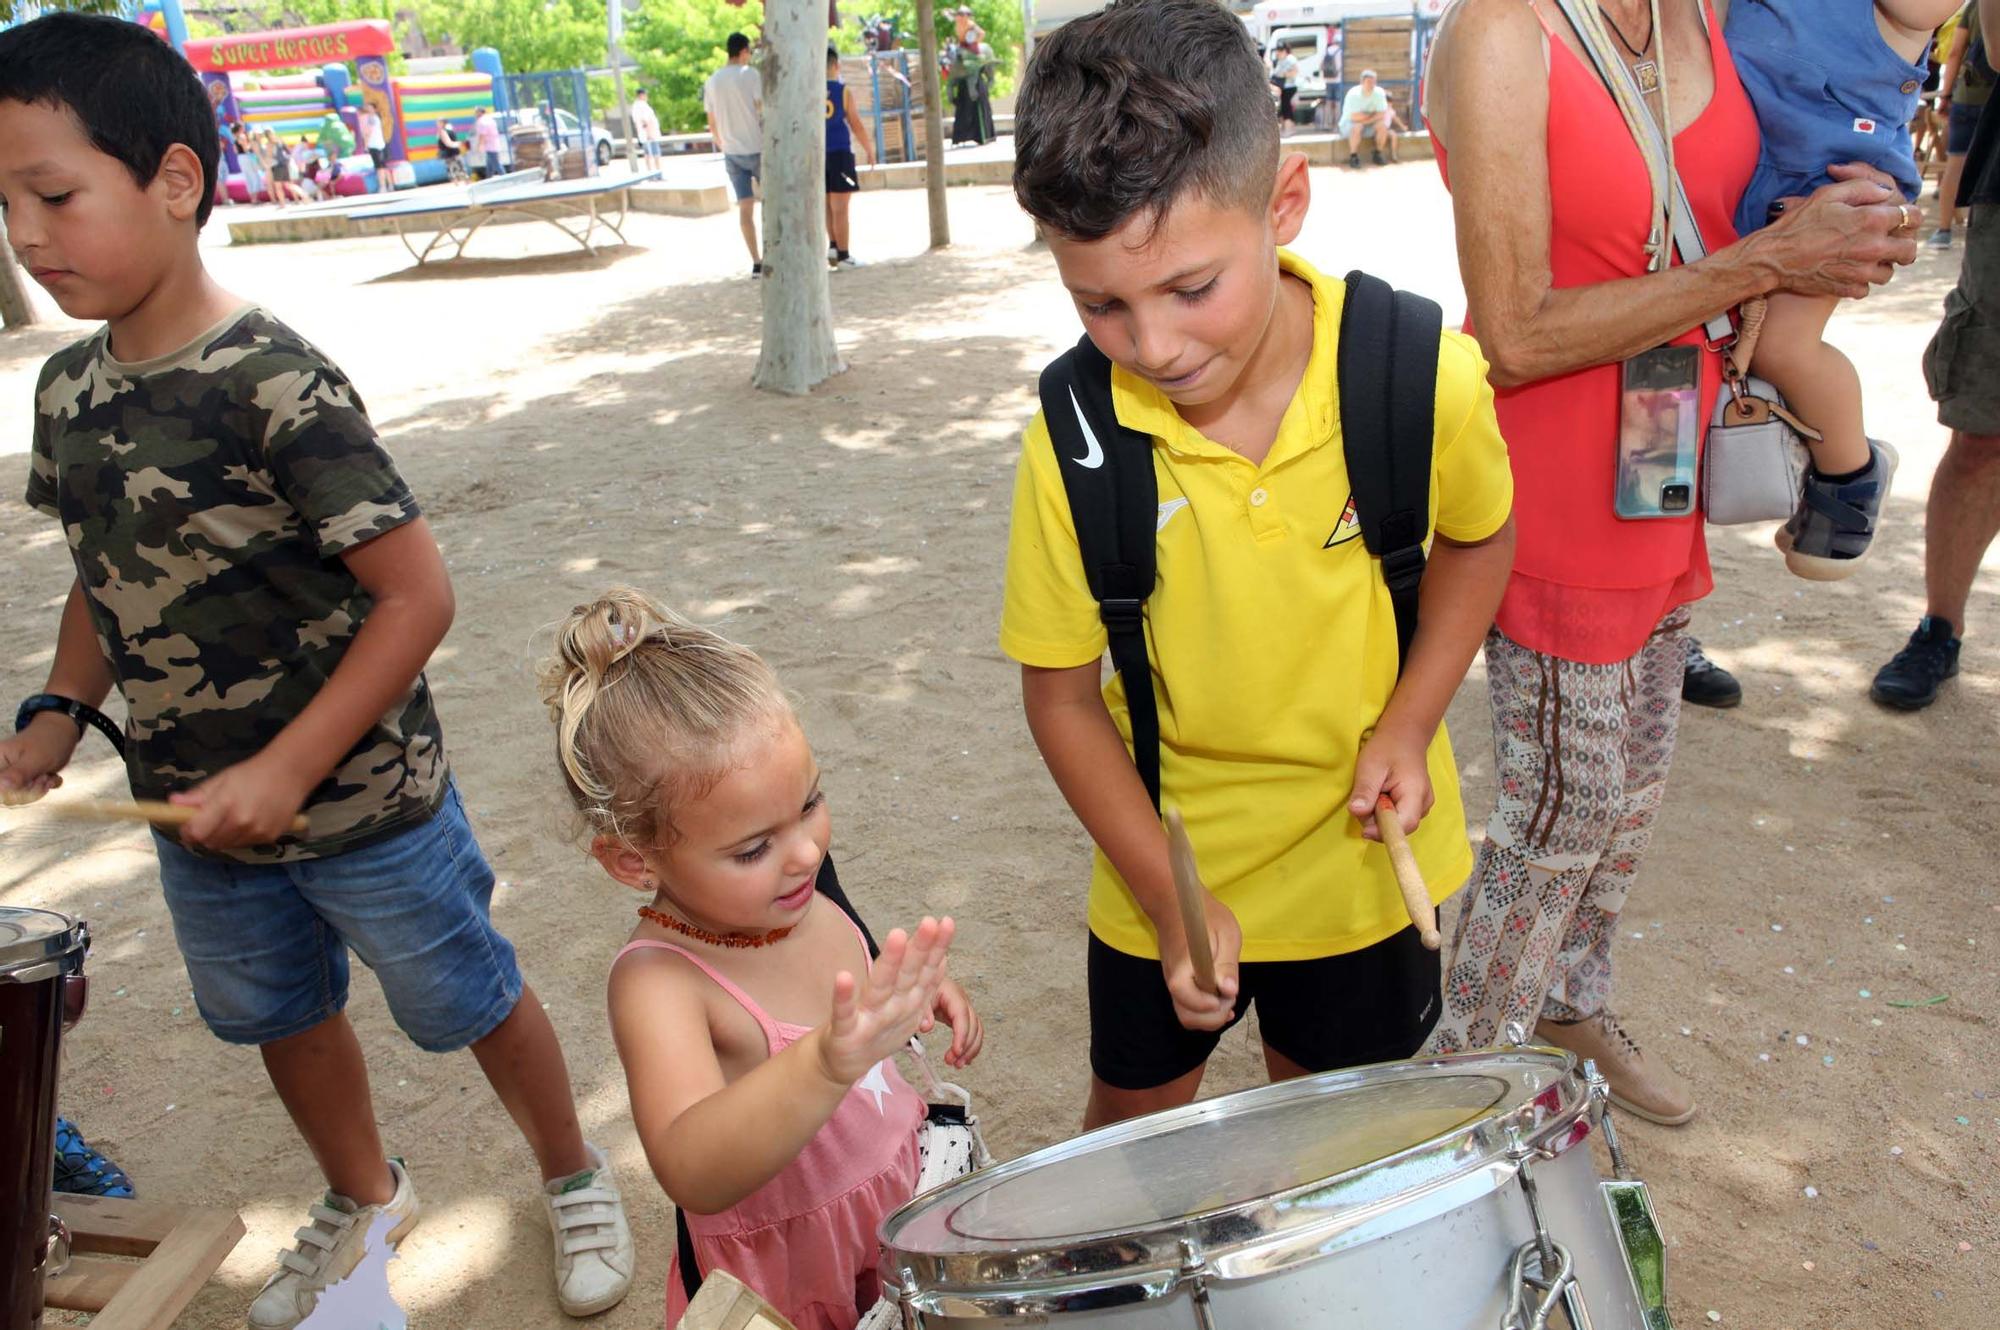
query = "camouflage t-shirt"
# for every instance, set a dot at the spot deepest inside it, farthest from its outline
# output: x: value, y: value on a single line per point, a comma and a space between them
x: 207, y: 496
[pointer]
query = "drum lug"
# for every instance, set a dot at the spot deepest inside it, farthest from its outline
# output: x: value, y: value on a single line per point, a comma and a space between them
x: 55, y: 1249
x: 1194, y: 1274
x: 1532, y: 1298
x: 1600, y: 1112
x: 906, y: 1300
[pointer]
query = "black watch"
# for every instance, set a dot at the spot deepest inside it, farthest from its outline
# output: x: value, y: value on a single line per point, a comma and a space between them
x: 80, y: 712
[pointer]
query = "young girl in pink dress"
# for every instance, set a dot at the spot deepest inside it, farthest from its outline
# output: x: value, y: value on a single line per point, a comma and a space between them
x: 756, y: 1032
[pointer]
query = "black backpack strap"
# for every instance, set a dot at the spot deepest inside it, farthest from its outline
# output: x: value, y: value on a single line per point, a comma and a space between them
x: 1107, y: 471
x: 1388, y: 404
x: 684, y: 1248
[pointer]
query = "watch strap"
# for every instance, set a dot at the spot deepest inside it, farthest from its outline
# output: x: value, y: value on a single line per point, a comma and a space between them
x: 81, y: 712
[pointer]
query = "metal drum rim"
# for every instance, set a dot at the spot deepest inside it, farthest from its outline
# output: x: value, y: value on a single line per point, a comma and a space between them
x: 1124, y: 1266
x: 22, y: 955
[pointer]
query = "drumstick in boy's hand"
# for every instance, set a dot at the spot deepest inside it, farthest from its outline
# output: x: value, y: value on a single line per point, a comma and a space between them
x: 103, y: 810
x: 1189, y: 892
x: 1416, y: 896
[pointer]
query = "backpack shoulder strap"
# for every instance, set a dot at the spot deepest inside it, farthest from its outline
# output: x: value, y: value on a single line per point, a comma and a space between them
x: 1107, y: 473
x: 1388, y: 401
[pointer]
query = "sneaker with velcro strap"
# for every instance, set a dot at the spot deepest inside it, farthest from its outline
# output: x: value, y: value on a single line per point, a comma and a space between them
x: 1835, y: 525
x: 594, y: 1258
x: 329, y: 1247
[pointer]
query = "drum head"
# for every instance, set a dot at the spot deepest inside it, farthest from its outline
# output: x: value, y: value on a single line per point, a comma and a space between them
x: 1241, y: 1167
x: 30, y: 937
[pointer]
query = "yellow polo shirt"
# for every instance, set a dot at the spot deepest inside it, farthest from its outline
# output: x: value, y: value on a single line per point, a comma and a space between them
x: 1273, y: 646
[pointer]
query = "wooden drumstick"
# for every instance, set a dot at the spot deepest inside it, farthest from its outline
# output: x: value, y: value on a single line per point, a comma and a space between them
x: 1416, y: 896
x: 106, y: 810
x: 1192, y: 897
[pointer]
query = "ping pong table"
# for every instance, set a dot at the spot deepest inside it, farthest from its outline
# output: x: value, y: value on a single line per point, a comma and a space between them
x: 453, y: 214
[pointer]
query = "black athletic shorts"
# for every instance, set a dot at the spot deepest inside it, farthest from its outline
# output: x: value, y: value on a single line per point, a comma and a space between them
x: 1373, y: 1005
x: 841, y: 175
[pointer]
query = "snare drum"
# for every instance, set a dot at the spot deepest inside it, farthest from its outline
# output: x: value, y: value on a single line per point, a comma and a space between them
x: 41, y: 995
x: 1456, y: 1193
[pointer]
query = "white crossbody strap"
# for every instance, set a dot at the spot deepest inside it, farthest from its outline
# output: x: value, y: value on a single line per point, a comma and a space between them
x: 1686, y: 231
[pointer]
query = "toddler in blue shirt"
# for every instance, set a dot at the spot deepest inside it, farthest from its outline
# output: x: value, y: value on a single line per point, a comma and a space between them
x: 1832, y: 81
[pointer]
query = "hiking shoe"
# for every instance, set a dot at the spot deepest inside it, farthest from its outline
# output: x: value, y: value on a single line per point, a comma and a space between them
x: 593, y: 1243
x: 1940, y: 239
x: 1354, y: 161
x: 1829, y: 535
x: 330, y: 1246
x: 81, y: 1171
x: 1379, y: 161
x: 1705, y: 683
x: 1910, y: 682
x: 1641, y: 1086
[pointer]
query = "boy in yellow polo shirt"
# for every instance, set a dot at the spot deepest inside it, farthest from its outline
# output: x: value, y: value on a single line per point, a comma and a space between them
x: 1145, y: 149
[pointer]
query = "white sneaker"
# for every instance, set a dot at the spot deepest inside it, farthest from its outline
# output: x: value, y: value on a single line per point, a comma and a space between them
x: 593, y: 1243
x: 329, y: 1247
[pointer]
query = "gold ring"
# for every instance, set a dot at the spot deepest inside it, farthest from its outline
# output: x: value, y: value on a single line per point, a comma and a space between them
x: 1909, y: 223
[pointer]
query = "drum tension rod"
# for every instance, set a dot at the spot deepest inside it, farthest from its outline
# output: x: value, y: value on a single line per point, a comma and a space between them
x: 1555, y: 1273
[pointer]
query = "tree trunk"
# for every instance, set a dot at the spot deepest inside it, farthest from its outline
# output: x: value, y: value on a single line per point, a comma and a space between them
x: 927, y: 49
x: 798, y: 349
x: 15, y: 311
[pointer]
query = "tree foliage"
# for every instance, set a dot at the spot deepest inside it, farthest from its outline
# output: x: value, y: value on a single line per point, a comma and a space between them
x: 531, y: 35
x: 11, y: 10
x: 677, y: 44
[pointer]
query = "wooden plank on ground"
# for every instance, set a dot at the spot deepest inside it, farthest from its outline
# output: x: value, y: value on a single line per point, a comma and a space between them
x: 117, y: 1227
x: 181, y: 1247
x: 88, y: 1284
x: 174, y: 1273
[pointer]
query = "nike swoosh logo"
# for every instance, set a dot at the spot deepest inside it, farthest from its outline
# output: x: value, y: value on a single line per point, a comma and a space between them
x: 1167, y: 511
x: 1093, y: 453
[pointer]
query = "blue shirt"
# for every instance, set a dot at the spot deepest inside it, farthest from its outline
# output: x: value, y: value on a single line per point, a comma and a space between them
x: 838, y: 139
x: 1827, y: 89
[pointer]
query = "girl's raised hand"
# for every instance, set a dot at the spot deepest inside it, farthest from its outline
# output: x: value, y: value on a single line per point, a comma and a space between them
x: 872, y: 1020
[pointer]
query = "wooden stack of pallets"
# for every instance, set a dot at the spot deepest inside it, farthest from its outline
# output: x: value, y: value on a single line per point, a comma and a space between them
x: 1383, y: 45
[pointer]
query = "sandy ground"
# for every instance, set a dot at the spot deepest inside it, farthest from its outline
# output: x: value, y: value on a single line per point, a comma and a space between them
x: 574, y: 422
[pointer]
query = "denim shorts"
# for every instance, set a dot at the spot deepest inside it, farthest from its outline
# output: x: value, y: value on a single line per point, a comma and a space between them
x: 743, y: 167
x: 266, y: 944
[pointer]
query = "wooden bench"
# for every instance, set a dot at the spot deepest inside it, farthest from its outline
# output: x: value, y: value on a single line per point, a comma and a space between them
x: 178, y: 1247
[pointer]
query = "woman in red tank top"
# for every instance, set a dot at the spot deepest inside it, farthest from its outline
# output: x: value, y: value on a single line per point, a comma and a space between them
x: 1553, y: 205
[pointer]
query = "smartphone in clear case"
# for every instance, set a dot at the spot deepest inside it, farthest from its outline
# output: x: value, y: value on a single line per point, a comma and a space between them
x: 1659, y: 433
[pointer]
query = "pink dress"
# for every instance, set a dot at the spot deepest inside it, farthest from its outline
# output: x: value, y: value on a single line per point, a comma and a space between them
x: 805, y: 1241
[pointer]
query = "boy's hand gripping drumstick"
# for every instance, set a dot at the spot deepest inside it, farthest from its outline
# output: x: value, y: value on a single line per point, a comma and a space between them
x: 106, y: 810
x: 1192, y: 898
x: 1409, y: 877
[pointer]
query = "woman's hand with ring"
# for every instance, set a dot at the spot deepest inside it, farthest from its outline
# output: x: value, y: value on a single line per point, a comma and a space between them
x: 1846, y: 237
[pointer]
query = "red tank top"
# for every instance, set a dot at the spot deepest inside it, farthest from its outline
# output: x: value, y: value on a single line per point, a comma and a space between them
x: 1587, y: 585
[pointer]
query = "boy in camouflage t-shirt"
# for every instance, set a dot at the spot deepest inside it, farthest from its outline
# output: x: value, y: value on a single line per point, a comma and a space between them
x: 254, y: 576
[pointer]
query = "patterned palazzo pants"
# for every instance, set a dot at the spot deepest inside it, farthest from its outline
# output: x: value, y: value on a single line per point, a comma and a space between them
x: 1582, y: 753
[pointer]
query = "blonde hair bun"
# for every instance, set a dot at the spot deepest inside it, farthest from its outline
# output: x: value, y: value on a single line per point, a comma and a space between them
x: 646, y: 703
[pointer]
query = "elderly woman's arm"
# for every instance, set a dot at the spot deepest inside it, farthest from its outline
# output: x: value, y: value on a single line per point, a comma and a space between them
x: 1493, y: 106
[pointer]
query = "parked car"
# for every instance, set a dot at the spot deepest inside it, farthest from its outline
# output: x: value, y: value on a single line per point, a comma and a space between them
x: 572, y: 134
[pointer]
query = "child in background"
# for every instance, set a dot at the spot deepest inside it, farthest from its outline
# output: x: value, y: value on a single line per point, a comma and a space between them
x: 1832, y: 81
x: 756, y: 1036
x: 258, y: 582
